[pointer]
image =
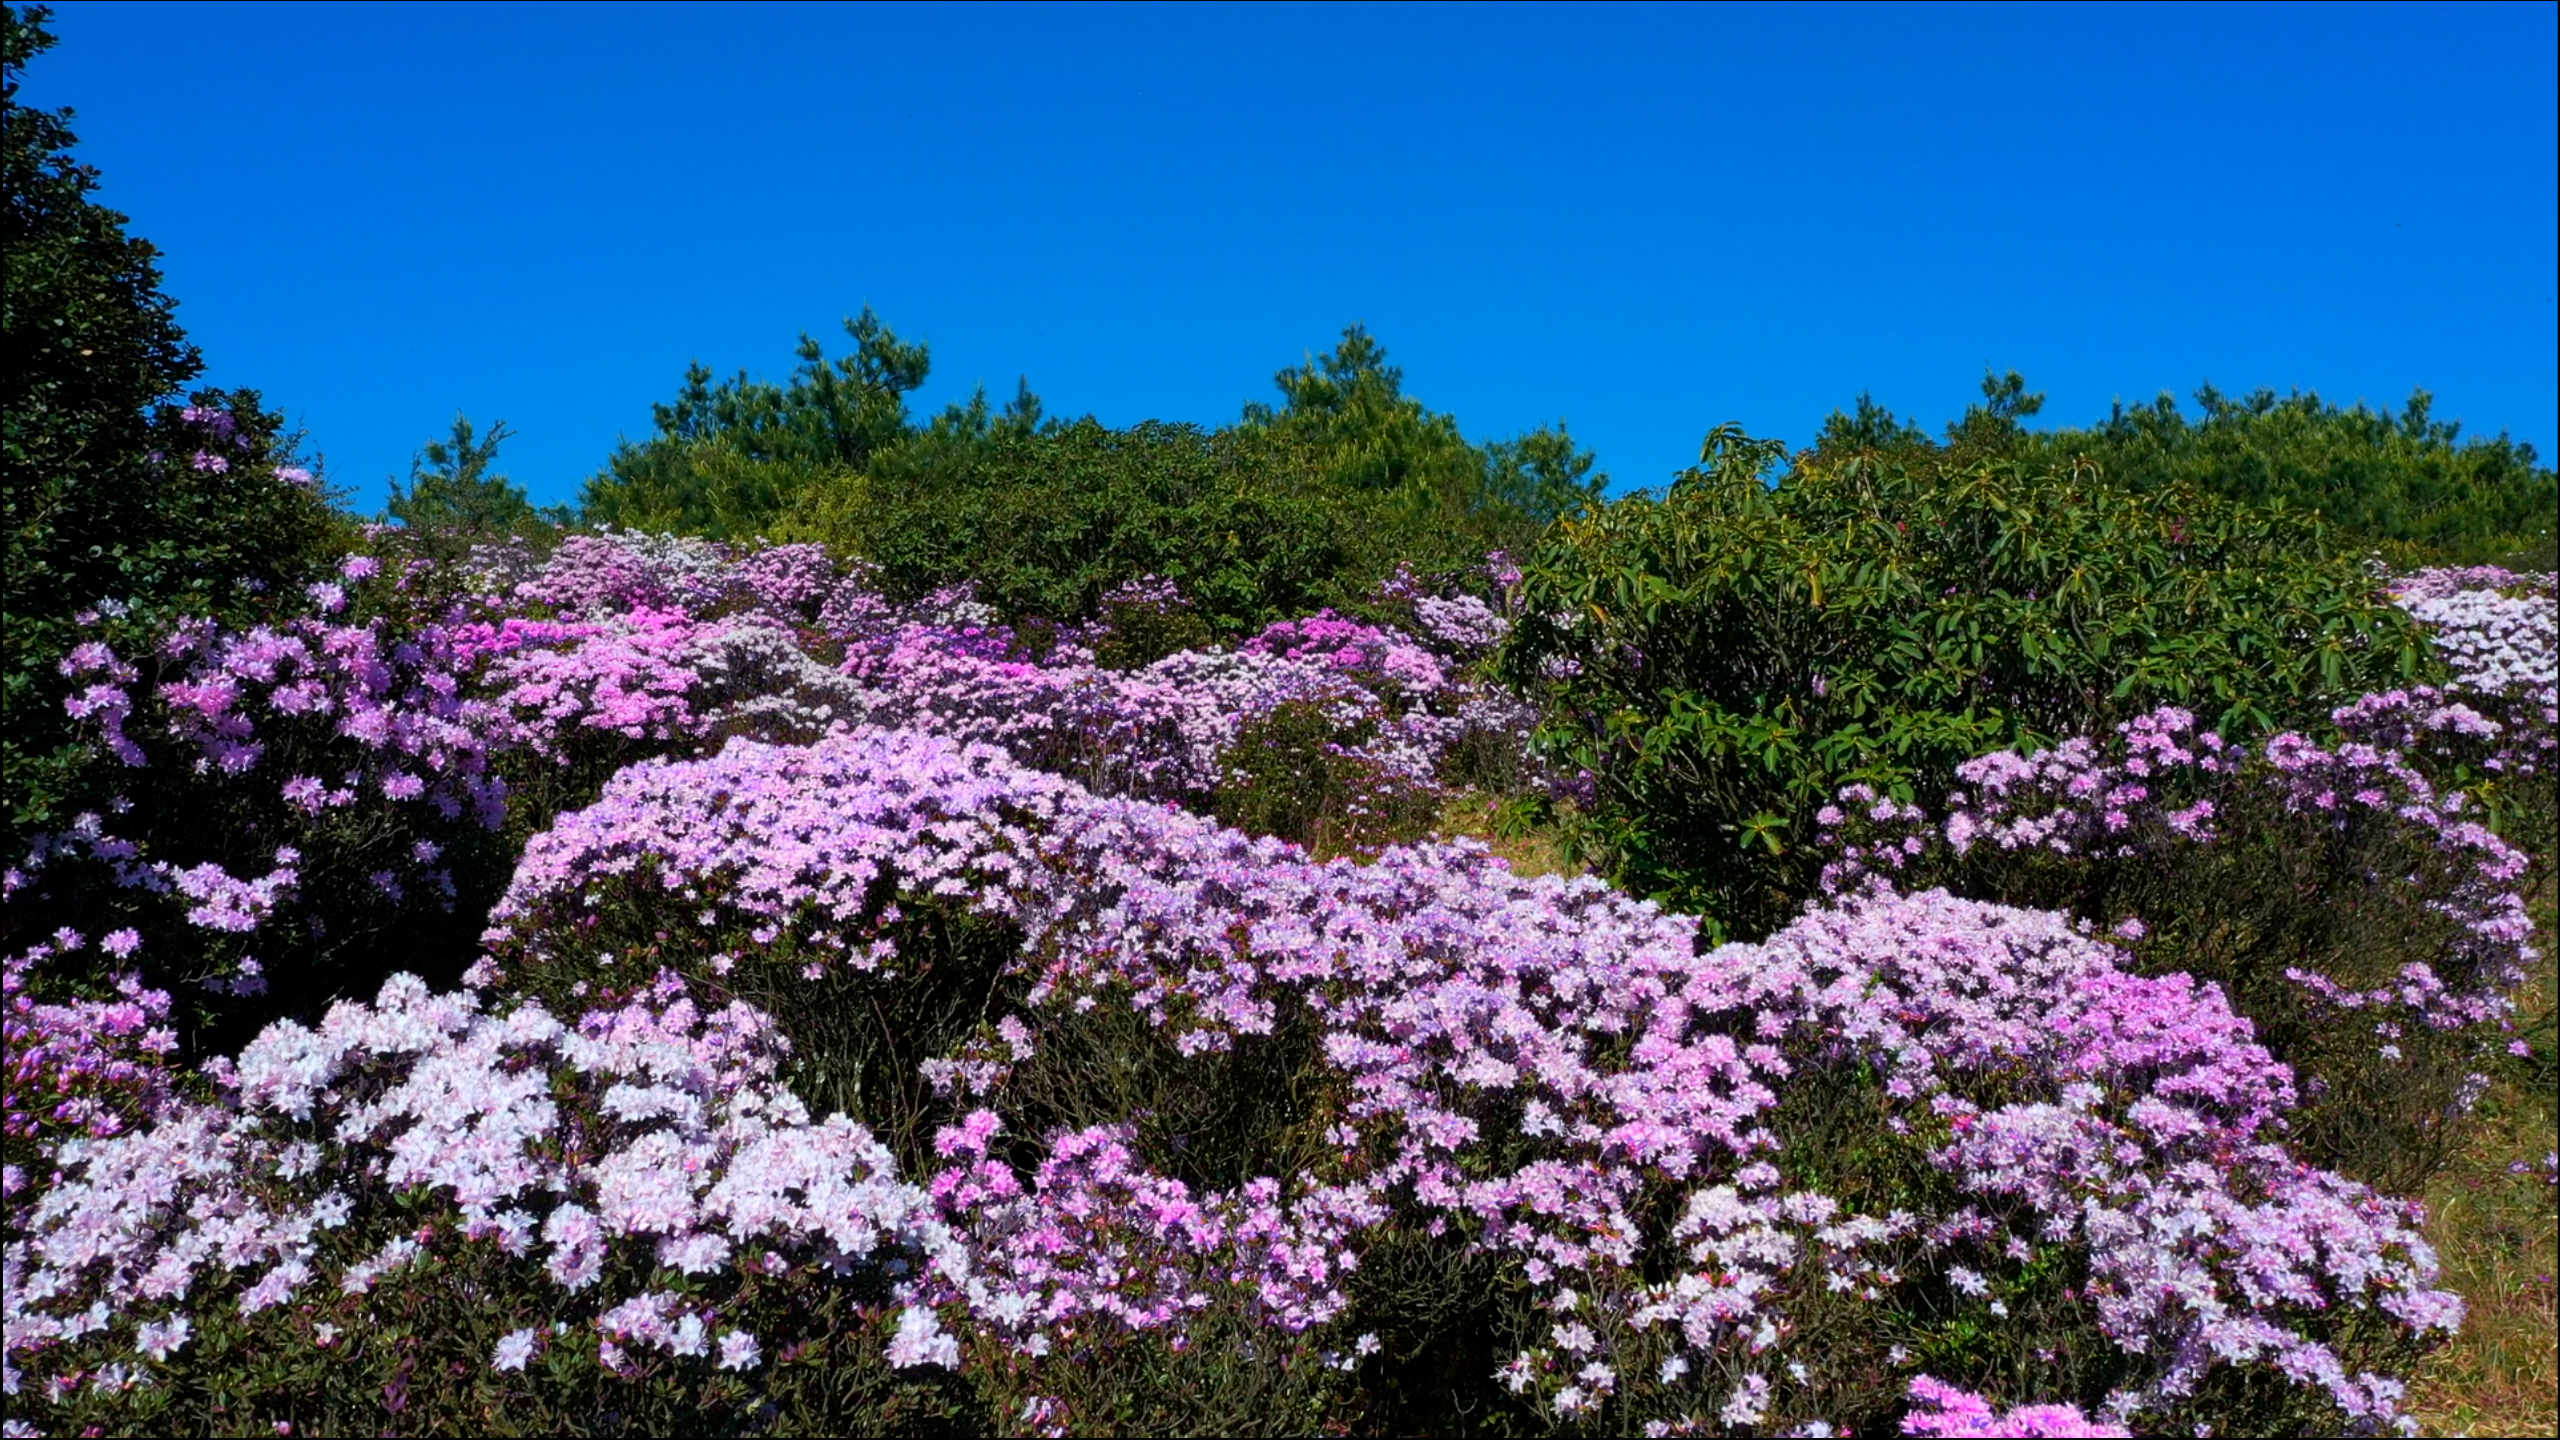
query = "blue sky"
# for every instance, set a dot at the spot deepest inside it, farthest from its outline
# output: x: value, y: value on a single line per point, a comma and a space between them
x: 1645, y: 220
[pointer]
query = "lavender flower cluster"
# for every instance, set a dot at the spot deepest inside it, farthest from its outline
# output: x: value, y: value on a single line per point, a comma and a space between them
x: 595, y: 1142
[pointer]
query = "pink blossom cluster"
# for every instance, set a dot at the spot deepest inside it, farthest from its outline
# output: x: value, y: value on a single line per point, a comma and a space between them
x: 1454, y: 622
x: 220, y: 698
x: 2443, y: 582
x: 2161, y: 782
x: 1952, y: 1412
x: 1468, y: 1014
x: 1347, y: 646
x: 657, y: 675
x: 82, y: 1067
x: 691, y: 630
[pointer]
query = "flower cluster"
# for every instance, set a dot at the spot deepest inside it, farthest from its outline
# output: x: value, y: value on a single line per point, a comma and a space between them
x: 646, y: 1140
x: 1535, y: 1066
x: 2164, y: 784
x: 84, y: 1067
x: 1185, y: 1084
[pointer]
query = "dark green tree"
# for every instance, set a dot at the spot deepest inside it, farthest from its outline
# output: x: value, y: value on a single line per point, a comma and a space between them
x: 455, y: 495
x: 1349, y: 407
x: 2407, y: 486
x: 1997, y: 426
x: 732, y: 458
x: 115, y: 500
x: 1249, y: 523
x: 1869, y: 427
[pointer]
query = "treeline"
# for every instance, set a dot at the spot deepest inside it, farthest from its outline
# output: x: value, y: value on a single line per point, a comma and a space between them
x: 1295, y: 504
x: 2409, y: 486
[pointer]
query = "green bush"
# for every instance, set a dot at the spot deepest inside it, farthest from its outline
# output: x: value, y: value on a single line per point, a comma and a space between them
x: 1244, y: 522
x: 1727, y: 657
x: 2408, y: 485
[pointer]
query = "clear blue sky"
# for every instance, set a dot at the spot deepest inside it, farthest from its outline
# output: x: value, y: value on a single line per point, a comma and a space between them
x: 1644, y: 220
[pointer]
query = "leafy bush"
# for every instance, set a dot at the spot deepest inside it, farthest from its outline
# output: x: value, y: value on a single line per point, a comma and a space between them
x: 1045, y: 524
x: 1726, y: 658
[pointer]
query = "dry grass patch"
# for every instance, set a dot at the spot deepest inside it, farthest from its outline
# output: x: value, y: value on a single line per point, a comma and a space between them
x: 2492, y: 1218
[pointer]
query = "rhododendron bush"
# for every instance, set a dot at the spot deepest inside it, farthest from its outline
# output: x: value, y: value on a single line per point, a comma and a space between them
x: 2349, y: 893
x: 872, y: 1019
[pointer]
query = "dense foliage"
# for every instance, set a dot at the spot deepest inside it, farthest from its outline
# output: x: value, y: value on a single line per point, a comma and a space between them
x: 1046, y: 523
x: 114, y: 496
x: 1724, y: 659
x: 1305, y: 504
x: 733, y: 458
x: 2408, y: 485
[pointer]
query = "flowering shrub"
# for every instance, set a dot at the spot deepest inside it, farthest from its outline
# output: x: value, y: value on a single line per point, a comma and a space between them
x: 289, y: 798
x: 88, y: 1067
x: 1143, y: 621
x: 136, y: 515
x: 1140, y: 1121
x: 2372, y: 930
x: 2499, y: 634
x: 424, y: 1213
x: 1536, y: 1073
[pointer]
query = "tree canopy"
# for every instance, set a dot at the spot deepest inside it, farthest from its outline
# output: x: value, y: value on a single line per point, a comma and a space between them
x: 2407, y: 485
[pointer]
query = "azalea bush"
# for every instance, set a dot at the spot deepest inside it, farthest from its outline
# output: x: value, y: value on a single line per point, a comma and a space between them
x: 1539, y: 1077
x: 881, y: 1020
x: 2351, y: 896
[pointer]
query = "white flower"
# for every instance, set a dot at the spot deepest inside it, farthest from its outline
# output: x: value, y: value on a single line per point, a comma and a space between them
x: 514, y: 1349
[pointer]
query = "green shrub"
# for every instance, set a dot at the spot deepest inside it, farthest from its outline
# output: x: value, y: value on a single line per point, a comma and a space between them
x: 1243, y: 522
x: 1729, y: 656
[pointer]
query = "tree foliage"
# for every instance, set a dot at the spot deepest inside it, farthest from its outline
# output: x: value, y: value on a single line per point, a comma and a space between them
x: 456, y: 496
x: 1348, y: 406
x: 1726, y: 658
x: 2408, y: 485
x: 116, y: 499
x: 1248, y: 523
x: 732, y: 458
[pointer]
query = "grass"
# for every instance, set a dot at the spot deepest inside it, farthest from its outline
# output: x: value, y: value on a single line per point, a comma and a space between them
x: 2495, y: 1231
x: 1535, y: 851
